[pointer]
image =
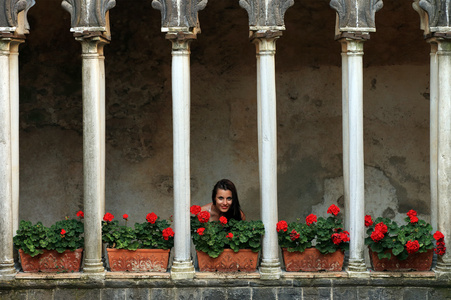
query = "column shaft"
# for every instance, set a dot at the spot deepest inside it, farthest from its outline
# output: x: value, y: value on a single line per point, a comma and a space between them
x: 266, y: 49
x: 433, y: 133
x: 444, y: 149
x: 93, y: 150
x: 7, y: 270
x: 182, y: 266
x: 353, y: 149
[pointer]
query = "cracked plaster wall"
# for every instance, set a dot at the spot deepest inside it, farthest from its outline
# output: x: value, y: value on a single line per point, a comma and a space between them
x: 223, y: 112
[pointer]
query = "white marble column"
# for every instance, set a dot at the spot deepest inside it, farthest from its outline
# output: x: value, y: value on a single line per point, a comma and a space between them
x: 93, y: 78
x: 444, y: 149
x: 352, y: 53
x: 266, y: 50
x: 433, y: 132
x: 7, y: 270
x: 182, y: 266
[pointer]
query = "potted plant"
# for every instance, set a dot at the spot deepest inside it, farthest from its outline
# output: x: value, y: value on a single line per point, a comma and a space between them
x: 406, y: 247
x: 316, y: 245
x: 144, y: 248
x: 57, y: 248
x: 225, y: 245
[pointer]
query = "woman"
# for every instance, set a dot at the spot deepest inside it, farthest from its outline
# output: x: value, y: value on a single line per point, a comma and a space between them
x: 224, y: 202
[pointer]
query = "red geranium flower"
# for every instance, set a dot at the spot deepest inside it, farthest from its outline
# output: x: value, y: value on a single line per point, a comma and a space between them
x: 336, y: 238
x: 311, y: 218
x: 413, y: 219
x: 412, y: 247
x: 411, y: 213
x: 333, y: 209
x: 294, y: 235
x: 223, y: 220
x: 167, y: 233
x: 345, y: 236
x: 200, y: 231
x: 377, y: 235
x: 195, y: 209
x: 151, y: 218
x: 108, y: 217
x: 203, y: 216
x: 440, y: 249
x: 63, y: 232
x: 438, y: 236
x: 125, y: 217
x: 282, y: 225
x: 229, y: 235
x: 80, y: 214
x: 368, y: 221
x: 381, y: 227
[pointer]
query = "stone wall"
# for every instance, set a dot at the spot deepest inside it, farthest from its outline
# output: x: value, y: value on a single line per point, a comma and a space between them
x: 223, y: 112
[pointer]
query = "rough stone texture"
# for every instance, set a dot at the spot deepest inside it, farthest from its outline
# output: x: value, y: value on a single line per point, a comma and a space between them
x: 223, y: 112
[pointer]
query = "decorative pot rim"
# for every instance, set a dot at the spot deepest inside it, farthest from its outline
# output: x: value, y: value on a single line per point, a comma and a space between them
x: 311, y: 249
x: 76, y: 250
x: 140, y: 250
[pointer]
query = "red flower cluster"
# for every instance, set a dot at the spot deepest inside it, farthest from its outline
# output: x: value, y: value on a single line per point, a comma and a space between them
x: 282, y: 225
x: 311, y: 218
x: 167, y: 233
x: 125, y: 217
x: 294, y: 235
x: 80, y: 214
x: 379, y: 231
x: 440, y: 238
x: 151, y: 218
x: 229, y: 235
x: 195, y: 209
x: 108, y: 217
x: 413, y: 216
x: 333, y: 209
x: 203, y: 216
x: 63, y: 232
x: 200, y: 231
x: 368, y: 221
x: 341, y: 237
x: 412, y: 247
x: 223, y: 220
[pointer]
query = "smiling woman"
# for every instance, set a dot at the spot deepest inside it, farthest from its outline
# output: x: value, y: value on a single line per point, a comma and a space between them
x: 225, y: 202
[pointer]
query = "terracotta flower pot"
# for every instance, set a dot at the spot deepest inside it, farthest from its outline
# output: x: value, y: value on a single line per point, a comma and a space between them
x: 52, y: 261
x: 228, y: 261
x: 415, y: 261
x: 141, y: 260
x: 311, y: 260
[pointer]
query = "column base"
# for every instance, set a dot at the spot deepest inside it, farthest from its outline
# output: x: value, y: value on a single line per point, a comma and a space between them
x: 270, y: 269
x: 443, y: 268
x: 7, y: 270
x: 182, y: 270
x: 93, y: 266
x: 356, y: 266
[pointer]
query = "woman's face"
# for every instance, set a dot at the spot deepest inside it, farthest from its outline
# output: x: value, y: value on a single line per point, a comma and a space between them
x: 223, y: 200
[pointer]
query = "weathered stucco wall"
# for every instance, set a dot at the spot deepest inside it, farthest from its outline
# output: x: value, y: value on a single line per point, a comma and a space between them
x: 223, y: 112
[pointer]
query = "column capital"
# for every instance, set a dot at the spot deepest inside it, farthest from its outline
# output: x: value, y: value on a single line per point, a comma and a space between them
x: 266, y: 14
x: 351, y: 46
x: 89, y: 16
x: 92, y: 44
x: 265, y: 41
x: 180, y: 15
x: 357, y: 16
x: 13, y: 17
x: 435, y: 16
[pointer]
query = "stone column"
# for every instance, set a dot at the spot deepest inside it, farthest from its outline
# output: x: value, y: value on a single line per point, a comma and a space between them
x: 265, y: 42
x: 433, y: 132
x: 353, y: 163
x: 182, y: 266
x: 93, y: 78
x: 444, y: 149
x: 7, y: 270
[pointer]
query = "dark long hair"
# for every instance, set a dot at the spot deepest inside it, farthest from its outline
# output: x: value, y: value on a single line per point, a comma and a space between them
x: 234, y: 211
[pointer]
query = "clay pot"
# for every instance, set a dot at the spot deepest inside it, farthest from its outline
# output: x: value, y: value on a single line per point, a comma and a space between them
x: 52, y: 261
x: 228, y: 261
x: 311, y: 260
x: 415, y: 261
x: 141, y: 260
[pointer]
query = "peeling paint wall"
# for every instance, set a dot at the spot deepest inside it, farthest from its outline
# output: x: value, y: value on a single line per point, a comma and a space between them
x: 224, y: 113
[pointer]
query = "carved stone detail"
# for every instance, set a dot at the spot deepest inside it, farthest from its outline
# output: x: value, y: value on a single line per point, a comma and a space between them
x: 356, y: 15
x: 266, y: 16
x: 9, y: 10
x: 179, y: 15
x: 438, y: 12
x: 228, y: 261
x: 89, y: 13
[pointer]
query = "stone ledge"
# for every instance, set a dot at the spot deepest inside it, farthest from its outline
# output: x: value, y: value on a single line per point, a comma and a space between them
x: 137, y: 275
x: 52, y: 276
x: 232, y: 275
x: 423, y: 274
x: 313, y: 275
